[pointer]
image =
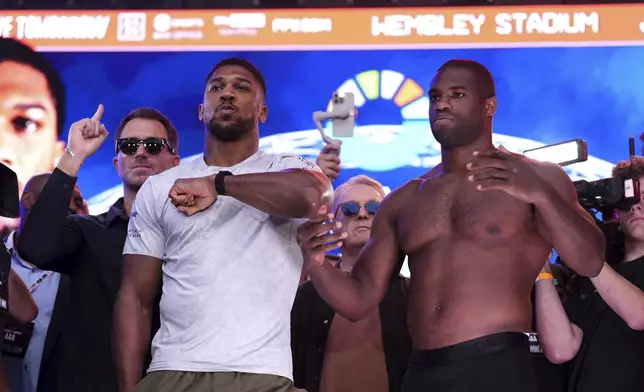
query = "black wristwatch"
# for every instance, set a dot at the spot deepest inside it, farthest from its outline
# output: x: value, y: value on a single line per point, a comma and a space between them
x: 219, y: 182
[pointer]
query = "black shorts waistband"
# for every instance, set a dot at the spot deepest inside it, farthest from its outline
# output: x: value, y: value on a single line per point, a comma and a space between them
x: 470, y: 349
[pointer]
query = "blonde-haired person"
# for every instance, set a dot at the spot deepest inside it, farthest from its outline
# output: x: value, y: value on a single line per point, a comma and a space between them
x: 331, y: 353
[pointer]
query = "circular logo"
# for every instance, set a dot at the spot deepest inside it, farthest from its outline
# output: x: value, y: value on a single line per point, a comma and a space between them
x: 162, y: 23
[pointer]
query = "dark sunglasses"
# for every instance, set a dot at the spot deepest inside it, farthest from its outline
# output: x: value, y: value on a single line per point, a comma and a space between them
x: 153, y: 145
x: 352, y: 208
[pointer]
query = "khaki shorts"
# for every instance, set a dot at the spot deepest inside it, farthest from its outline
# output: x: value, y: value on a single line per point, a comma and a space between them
x: 170, y: 381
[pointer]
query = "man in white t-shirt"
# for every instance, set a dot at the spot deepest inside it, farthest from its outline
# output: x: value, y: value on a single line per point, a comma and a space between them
x: 219, y: 233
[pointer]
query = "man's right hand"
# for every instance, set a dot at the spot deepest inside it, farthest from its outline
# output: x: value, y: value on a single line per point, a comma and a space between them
x: 314, y: 239
x: 329, y: 160
x: 87, y: 135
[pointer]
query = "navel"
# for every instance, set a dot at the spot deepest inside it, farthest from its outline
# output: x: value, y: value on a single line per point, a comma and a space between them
x: 438, y: 308
x: 494, y: 230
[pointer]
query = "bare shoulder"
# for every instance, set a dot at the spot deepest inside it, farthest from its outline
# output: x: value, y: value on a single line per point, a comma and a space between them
x: 400, y: 196
x: 556, y: 176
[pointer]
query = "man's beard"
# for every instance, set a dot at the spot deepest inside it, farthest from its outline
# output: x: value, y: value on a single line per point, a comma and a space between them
x: 231, y: 132
x: 456, y: 136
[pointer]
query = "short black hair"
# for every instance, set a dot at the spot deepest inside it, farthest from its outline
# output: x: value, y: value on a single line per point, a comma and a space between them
x: 13, y: 50
x: 151, y: 114
x: 482, y: 76
x: 247, y: 65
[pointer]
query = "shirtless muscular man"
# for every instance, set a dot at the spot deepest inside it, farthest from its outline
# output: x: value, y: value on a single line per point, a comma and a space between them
x: 476, y: 234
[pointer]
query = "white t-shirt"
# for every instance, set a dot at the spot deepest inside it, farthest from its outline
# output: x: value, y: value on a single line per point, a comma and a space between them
x: 230, y: 274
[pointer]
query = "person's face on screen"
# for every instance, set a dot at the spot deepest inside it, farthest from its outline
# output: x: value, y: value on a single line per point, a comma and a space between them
x: 632, y: 221
x: 357, y: 226
x: 135, y: 169
x: 456, y: 110
x: 28, y: 137
x: 233, y: 104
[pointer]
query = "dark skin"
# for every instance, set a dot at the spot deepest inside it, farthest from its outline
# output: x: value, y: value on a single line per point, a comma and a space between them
x: 476, y: 231
x: 232, y: 97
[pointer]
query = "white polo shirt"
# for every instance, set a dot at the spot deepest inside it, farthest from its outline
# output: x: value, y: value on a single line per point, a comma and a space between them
x: 230, y: 274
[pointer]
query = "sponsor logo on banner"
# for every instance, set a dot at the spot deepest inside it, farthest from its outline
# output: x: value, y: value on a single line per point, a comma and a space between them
x: 301, y: 29
x: 131, y: 27
x: 168, y: 28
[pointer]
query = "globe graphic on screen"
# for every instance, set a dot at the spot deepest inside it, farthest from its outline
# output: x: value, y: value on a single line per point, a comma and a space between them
x: 380, y: 149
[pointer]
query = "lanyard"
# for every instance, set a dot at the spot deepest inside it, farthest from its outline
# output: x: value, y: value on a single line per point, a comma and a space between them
x: 38, y: 281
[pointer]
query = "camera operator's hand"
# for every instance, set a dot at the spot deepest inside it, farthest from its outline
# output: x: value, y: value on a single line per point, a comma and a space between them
x: 314, y: 239
x: 329, y: 160
x: 85, y: 138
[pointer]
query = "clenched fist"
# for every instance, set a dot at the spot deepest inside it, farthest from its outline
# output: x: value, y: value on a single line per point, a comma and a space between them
x: 87, y: 135
x: 318, y: 236
x: 192, y: 195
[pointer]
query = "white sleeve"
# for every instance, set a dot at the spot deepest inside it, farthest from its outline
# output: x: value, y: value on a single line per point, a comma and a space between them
x: 144, y: 233
x: 287, y: 161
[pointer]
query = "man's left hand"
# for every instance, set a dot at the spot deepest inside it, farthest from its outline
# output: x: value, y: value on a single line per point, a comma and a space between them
x: 192, y: 195
x: 504, y: 171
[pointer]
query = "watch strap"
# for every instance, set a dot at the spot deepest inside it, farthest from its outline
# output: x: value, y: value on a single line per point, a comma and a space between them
x: 219, y: 182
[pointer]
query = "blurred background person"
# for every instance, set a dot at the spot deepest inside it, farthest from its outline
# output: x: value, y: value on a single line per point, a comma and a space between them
x: 598, y: 328
x: 15, y: 300
x: 32, y: 108
x: 88, y: 248
x: 36, y: 371
x: 331, y: 353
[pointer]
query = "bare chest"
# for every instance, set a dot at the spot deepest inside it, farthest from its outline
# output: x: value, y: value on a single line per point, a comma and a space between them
x: 453, y: 207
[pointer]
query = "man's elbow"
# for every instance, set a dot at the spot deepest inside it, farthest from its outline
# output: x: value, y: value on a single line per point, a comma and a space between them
x: 561, y: 354
x: 636, y: 321
x: 318, y: 192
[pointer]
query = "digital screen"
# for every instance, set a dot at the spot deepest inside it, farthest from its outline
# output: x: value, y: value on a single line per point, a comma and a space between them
x: 562, y: 72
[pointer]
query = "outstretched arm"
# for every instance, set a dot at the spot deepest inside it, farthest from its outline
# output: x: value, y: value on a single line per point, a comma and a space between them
x: 294, y: 188
x: 569, y: 228
x: 353, y: 296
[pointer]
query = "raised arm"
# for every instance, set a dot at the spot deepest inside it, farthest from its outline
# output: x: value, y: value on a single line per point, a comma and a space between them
x: 140, y: 286
x: 353, y: 296
x: 571, y: 230
x: 560, y: 339
x: 48, y: 237
x: 297, y: 189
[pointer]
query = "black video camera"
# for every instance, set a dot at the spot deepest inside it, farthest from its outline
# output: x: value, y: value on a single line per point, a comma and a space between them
x: 608, y: 194
x: 605, y: 195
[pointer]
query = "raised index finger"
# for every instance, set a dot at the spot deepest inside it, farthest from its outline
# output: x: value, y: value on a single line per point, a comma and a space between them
x: 99, y: 113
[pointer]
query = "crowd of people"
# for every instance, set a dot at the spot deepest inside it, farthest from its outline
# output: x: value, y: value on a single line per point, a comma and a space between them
x: 247, y: 271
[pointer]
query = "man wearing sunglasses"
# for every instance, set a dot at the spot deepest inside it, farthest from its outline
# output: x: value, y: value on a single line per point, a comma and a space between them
x: 477, y: 233
x: 89, y: 248
x: 331, y: 353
